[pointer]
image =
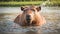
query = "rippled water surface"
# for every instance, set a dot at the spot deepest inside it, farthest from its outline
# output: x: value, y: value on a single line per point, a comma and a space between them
x: 51, y: 14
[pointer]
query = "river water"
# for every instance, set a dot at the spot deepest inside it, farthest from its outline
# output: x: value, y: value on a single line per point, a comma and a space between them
x: 8, y: 14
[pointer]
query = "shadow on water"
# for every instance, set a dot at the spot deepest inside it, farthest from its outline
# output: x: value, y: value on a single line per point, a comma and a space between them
x: 7, y: 26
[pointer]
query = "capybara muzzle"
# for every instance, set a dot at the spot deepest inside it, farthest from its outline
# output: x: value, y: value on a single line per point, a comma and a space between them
x: 28, y: 19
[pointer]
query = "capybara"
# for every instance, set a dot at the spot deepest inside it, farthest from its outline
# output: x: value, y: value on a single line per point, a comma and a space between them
x: 30, y: 17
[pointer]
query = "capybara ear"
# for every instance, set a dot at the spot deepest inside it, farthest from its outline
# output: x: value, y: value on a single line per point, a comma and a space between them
x: 38, y: 8
x: 22, y: 8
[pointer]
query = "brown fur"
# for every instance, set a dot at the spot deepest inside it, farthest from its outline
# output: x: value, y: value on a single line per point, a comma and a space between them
x: 37, y: 19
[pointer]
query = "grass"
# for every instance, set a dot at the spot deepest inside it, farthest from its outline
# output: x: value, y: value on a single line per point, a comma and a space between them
x: 52, y: 3
x: 14, y: 3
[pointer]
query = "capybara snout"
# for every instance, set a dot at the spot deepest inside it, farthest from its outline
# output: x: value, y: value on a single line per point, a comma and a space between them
x: 30, y: 16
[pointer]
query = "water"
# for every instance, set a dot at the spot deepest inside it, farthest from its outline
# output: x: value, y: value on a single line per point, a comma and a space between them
x: 7, y: 26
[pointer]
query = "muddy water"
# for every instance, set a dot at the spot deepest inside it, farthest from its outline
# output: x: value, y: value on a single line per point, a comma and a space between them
x: 51, y: 14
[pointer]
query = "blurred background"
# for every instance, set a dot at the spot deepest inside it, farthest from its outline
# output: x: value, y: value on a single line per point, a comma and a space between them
x: 10, y: 9
x: 29, y: 2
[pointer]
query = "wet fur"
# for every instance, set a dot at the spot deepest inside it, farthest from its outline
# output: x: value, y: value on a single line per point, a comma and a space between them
x: 39, y: 20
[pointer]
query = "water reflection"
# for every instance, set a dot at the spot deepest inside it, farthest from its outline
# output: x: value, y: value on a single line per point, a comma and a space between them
x: 7, y: 26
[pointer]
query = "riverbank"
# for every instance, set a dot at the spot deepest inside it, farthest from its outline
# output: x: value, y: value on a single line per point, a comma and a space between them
x: 51, y: 3
x: 15, y: 3
x: 22, y: 3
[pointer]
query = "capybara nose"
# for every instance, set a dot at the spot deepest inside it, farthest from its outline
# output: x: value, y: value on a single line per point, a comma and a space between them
x: 28, y: 17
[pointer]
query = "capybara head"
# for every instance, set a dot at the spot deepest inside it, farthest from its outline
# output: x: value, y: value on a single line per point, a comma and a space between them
x: 29, y: 13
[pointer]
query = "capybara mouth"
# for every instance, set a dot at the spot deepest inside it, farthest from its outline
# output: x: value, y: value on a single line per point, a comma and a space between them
x: 28, y: 19
x: 28, y: 22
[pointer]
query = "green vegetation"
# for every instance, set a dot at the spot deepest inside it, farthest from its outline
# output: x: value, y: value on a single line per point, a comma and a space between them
x: 14, y: 3
x: 52, y: 3
x: 21, y: 0
x: 17, y: 3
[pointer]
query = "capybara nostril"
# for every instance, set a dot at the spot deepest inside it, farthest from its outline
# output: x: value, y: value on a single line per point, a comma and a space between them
x: 28, y: 17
